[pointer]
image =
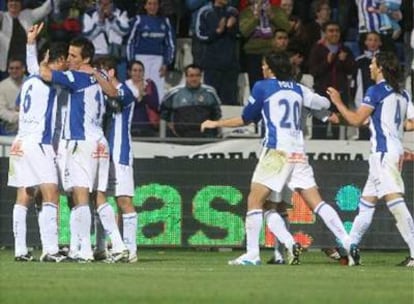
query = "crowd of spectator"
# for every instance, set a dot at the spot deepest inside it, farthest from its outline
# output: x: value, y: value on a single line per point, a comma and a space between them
x: 330, y: 40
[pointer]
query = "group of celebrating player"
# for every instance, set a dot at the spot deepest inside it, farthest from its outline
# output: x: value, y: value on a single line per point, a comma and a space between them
x: 82, y: 156
x: 67, y: 84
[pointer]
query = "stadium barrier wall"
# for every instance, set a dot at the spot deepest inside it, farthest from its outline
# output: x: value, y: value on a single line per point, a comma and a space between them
x: 202, y: 203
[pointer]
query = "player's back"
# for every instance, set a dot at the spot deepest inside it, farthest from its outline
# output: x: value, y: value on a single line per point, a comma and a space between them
x: 119, y: 132
x: 86, y: 106
x: 387, y: 119
x: 37, y: 111
x: 281, y: 114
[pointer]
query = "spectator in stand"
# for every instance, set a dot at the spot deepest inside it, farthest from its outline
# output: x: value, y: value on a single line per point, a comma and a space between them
x: 412, y: 62
x: 197, y: 49
x: 390, y: 13
x: 369, y: 20
x: 145, y: 120
x: 172, y: 9
x: 185, y: 107
x: 255, y: 47
x: 152, y: 41
x: 65, y: 24
x: 9, y: 90
x: 363, y: 75
x: 280, y: 40
x: 331, y: 64
x: 14, y: 24
x: 287, y: 6
x: 106, y: 26
x: 322, y: 14
x: 245, y: 3
x: 217, y: 28
x: 346, y: 14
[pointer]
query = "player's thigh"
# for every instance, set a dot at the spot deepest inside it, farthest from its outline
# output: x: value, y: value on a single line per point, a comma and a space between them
x: 81, y: 165
x: 34, y: 165
x: 302, y: 177
x: 384, y: 175
x: 121, y: 180
x: 272, y: 170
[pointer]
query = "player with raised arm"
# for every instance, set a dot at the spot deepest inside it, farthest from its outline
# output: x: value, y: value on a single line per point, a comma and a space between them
x: 389, y: 108
x: 87, y: 158
x: 278, y: 100
x: 32, y: 160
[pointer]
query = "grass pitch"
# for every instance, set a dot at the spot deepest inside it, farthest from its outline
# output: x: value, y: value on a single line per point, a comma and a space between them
x: 189, y: 276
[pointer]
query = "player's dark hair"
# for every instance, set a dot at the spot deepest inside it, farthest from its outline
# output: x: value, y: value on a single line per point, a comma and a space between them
x: 280, y: 65
x: 86, y: 46
x: 58, y: 50
x: 106, y: 63
x: 391, y: 69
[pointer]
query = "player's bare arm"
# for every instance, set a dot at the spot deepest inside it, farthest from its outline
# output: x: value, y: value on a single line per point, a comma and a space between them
x: 409, y: 125
x: 226, y: 123
x: 354, y: 118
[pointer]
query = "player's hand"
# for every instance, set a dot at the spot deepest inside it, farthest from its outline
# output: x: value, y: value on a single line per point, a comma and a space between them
x: 333, y: 118
x: 33, y: 32
x: 208, y: 124
x: 334, y: 96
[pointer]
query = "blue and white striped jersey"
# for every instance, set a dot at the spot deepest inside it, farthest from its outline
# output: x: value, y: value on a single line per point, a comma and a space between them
x: 279, y: 104
x: 37, y: 111
x: 390, y: 109
x: 86, y: 106
x: 368, y: 21
x: 119, y: 136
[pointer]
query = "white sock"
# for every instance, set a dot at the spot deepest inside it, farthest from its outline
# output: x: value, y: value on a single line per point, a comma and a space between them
x: 277, y: 254
x: 48, y: 228
x: 404, y: 221
x: 362, y: 221
x: 19, y: 230
x: 277, y: 226
x: 99, y: 234
x: 84, y: 220
x: 74, y: 233
x: 333, y: 222
x: 254, y: 221
x: 107, y: 216
x: 130, y: 223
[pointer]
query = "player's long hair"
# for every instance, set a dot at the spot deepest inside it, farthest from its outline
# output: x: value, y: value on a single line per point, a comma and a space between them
x: 279, y: 63
x: 391, y: 69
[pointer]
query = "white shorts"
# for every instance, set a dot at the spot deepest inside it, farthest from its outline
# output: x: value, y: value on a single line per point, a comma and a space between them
x: 275, y: 169
x: 87, y: 165
x: 31, y: 164
x: 384, y: 175
x: 121, y: 180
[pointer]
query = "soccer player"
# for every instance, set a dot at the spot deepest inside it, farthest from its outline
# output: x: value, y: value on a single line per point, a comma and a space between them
x: 278, y: 101
x: 32, y: 160
x: 87, y: 157
x: 387, y: 106
x: 121, y: 171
